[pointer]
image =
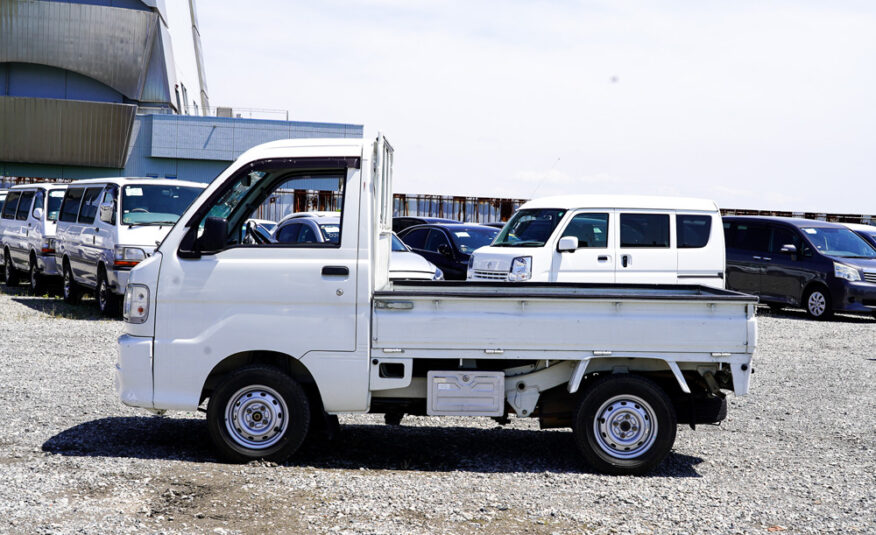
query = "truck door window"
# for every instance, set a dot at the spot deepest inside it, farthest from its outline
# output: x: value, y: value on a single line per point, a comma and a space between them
x: 70, y: 206
x: 692, y: 231
x: 590, y: 229
x: 89, y: 205
x: 644, y: 230
x: 24, y: 205
x: 11, y: 205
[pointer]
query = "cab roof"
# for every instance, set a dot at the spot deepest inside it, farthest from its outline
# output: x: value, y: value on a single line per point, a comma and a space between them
x: 572, y: 202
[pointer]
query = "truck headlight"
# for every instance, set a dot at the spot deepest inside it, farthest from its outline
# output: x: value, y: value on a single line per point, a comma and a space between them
x: 128, y: 256
x: 521, y: 269
x: 136, y: 305
x: 842, y: 271
x: 439, y: 275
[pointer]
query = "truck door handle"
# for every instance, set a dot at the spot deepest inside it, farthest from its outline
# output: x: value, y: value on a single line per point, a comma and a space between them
x: 625, y: 260
x: 338, y: 271
x: 603, y: 258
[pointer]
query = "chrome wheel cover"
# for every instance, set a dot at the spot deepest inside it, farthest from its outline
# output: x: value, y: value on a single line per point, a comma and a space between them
x: 817, y: 303
x: 625, y: 427
x: 256, y: 417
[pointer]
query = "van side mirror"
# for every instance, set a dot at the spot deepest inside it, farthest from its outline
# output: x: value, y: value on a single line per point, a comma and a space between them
x: 568, y: 244
x: 214, y: 236
x: 789, y: 249
x: 108, y: 212
x: 38, y: 213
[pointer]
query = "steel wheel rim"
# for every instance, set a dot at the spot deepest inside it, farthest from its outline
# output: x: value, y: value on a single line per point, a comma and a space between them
x: 256, y: 417
x: 817, y: 303
x: 625, y: 427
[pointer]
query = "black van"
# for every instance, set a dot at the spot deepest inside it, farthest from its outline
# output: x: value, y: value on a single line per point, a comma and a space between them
x: 819, y: 266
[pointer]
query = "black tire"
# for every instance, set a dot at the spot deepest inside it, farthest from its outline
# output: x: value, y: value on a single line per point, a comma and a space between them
x: 10, y: 271
x: 69, y: 289
x: 34, y: 278
x: 641, y: 415
x: 107, y: 301
x: 817, y: 303
x: 275, y: 434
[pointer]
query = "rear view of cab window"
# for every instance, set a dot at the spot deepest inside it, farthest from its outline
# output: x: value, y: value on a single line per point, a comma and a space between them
x: 693, y: 231
x: 644, y: 230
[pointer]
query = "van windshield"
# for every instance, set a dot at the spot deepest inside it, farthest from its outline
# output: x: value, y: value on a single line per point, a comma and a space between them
x: 151, y: 204
x: 529, y: 228
x: 53, y: 206
x: 838, y: 242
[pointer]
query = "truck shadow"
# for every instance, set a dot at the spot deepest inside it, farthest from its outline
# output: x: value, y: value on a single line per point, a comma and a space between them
x: 373, y: 447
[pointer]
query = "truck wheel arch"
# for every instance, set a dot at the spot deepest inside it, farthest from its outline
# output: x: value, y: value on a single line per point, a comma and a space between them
x: 589, y: 365
x: 285, y: 363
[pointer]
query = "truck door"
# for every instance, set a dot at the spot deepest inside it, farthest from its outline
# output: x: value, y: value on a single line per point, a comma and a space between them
x: 594, y: 261
x: 241, y: 293
x: 646, y: 252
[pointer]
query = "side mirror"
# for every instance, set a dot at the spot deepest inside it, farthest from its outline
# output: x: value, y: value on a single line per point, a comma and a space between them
x: 568, y: 244
x: 38, y: 213
x: 445, y: 250
x: 215, y: 235
x: 107, y: 212
x: 789, y: 249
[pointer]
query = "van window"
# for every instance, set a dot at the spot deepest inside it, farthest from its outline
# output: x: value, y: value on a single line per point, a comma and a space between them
x: 750, y: 237
x: 53, y: 207
x: 590, y: 229
x: 89, y: 205
x: 11, y: 205
x: 644, y: 230
x: 692, y: 231
x: 24, y: 205
x: 70, y: 206
x: 289, y: 233
x: 38, y: 201
x: 782, y: 237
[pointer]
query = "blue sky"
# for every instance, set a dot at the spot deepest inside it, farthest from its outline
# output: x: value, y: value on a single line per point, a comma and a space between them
x: 753, y: 104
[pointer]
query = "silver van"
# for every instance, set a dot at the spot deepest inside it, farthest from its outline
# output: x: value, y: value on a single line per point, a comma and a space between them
x: 28, y: 222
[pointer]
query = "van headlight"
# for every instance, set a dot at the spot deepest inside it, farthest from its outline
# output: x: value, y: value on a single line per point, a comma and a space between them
x: 842, y: 271
x: 136, y: 305
x: 521, y: 269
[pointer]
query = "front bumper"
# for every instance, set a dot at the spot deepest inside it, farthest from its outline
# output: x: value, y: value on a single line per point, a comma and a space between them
x: 858, y: 296
x: 133, y: 379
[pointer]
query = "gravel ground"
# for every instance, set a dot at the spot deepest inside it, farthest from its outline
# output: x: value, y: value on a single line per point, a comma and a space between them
x: 798, y: 455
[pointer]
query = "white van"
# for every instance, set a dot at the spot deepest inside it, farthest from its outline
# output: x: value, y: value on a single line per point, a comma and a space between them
x: 27, y: 232
x: 607, y: 239
x: 107, y: 226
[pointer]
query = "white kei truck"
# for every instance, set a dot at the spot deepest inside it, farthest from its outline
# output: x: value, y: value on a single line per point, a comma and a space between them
x: 279, y: 338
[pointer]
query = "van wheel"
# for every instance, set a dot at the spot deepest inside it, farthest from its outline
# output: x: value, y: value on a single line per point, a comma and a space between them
x: 107, y: 301
x: 34, y: 277
x: 10, y: 271
x: 625, y: 425
x: 818, y: 305
x: 258, y: 412
x: 72, y: 292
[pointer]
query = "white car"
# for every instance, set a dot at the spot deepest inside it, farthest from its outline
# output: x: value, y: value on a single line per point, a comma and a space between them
x: 108, y: 226
x: 607, y: 239
x: 405, y: 264
x: 28, y: 223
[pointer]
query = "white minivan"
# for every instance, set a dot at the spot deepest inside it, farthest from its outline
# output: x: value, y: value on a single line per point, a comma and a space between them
x: 27, y: 232
x: 607, y: 239
x: 107, y: 226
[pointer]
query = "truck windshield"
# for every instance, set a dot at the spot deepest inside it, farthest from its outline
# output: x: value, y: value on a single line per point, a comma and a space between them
x: 838, y: 242
x: 529, y: 228
x: 150, y: 204
x: 470, y: 238
x: 53, y: 205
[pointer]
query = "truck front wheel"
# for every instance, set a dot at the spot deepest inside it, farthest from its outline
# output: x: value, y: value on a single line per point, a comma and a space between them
x: 258, y: 412
x: 625, y: 425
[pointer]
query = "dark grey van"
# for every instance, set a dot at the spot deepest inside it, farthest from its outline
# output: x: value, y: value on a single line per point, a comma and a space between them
x: 818, y: 266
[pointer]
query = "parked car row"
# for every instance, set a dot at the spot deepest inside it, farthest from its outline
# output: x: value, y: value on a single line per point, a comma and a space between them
x: 91, y: 233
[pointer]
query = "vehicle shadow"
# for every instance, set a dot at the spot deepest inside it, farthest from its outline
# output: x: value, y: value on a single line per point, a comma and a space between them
x: 374, y: 447
x: 50, y: 303
x: 793, y: 314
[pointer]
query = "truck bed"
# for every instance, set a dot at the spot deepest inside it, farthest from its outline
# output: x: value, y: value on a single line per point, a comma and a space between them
x: 561, y: 321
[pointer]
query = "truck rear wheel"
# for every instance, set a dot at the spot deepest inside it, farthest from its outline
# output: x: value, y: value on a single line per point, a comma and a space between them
x: 625, y: 425
x: 258, y: 412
